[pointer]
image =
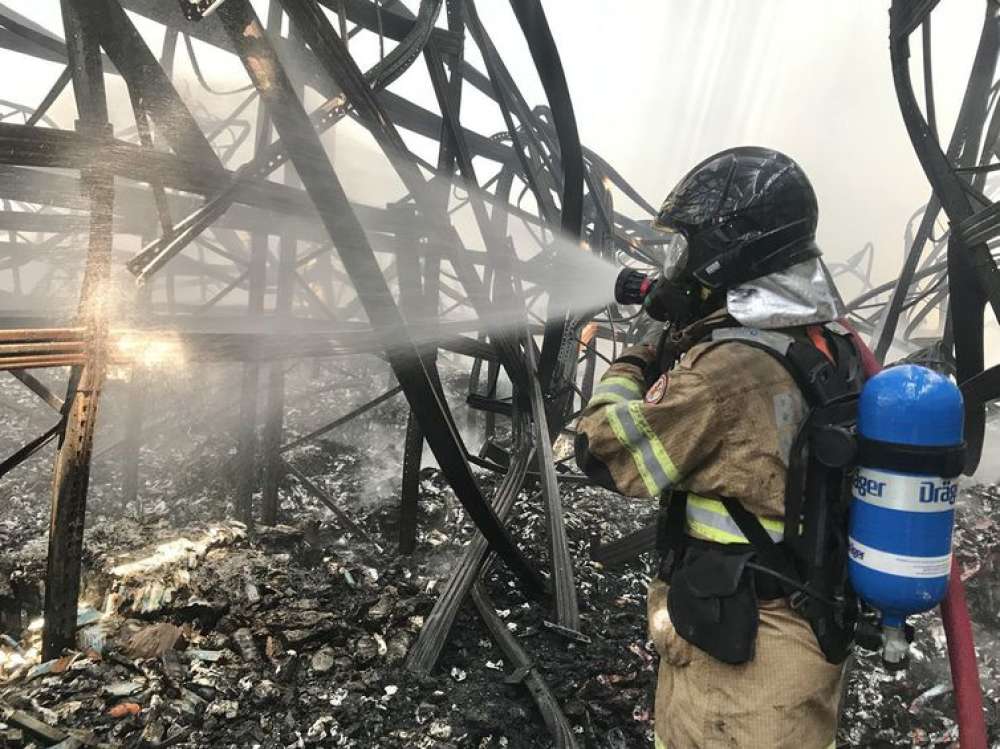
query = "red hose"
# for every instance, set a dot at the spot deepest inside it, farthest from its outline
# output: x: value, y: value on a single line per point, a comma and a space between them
x: 957, y: 626
x: 964, y: 670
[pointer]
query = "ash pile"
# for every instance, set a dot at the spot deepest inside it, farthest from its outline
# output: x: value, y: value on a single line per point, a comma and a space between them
x: 196, y: 631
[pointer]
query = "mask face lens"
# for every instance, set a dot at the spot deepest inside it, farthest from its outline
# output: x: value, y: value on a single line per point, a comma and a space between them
x: 675, y: 255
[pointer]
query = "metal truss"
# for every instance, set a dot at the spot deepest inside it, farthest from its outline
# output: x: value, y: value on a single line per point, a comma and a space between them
x: 938, y: 326
x: 223, y: 232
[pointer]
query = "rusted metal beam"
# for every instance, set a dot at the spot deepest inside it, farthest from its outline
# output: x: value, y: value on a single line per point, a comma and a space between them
x: 246, y: 450
x: 42, y: 361
x: 409, y: 501
x: 38, y: 388
x: 563, y: 583
x: 81, y: 20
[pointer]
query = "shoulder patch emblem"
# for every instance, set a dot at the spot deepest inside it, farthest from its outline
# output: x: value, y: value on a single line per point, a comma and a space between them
x: 657, y: 391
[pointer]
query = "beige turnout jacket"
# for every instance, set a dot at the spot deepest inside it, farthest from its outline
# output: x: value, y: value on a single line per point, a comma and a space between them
x: 720, y: 424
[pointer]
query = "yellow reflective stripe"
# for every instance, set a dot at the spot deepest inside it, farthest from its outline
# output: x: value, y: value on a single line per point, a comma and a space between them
x: 600, y: 399
x: 659, y: 743
x: 622, y: 388
x: 626, y: 382
x: 708, y: 533
x: 644, y: 445
x: 714, y: 505
x: 619, y: 430
x: 635, y: 409
x: 709, y: 520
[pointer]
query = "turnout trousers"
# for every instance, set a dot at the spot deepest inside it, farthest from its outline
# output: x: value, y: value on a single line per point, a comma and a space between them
x: 787, y: 697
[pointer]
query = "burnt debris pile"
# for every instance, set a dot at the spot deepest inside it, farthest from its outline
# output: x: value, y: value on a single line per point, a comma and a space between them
x: 202, y: 634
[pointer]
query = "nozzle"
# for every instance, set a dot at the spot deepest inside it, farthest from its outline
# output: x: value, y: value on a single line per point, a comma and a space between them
x: 632, y: 286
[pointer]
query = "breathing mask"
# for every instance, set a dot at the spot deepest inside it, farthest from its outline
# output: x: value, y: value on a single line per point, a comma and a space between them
x: 668, y: 297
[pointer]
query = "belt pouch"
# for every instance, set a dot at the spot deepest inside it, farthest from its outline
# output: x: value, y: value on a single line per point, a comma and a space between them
x: 713, y: 603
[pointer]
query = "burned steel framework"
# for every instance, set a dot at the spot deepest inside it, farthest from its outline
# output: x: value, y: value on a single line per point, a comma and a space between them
x: 168, y: 181
x: 200, y: 192
x: 917, y: 313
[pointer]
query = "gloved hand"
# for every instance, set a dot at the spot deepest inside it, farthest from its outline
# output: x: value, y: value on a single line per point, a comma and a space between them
x: 646, y: 349
x: 652, y: 334
x: 647, y: 333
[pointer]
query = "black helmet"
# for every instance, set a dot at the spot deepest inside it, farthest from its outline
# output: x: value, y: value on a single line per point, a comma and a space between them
x: 744, y: 213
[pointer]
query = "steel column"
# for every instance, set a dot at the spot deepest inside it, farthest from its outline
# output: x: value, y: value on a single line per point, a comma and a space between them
x: 72, y: 469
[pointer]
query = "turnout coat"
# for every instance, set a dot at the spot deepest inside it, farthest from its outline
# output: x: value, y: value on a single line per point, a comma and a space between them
x: 719, y: 424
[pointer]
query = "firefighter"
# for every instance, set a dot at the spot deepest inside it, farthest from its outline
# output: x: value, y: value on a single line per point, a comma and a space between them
x: 707, y: 426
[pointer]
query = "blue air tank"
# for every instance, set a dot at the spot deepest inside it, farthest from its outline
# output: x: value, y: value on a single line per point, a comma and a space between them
x: 910, y: 422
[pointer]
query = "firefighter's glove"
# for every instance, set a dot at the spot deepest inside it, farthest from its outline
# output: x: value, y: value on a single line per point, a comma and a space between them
x: 643, y: 355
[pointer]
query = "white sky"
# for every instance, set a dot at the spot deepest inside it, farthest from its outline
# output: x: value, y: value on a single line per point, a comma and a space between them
x: 812, y: 78
x: 659, y: 84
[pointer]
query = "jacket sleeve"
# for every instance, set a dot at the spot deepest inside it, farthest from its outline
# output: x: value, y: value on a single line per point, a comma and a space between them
x: 641, y: 447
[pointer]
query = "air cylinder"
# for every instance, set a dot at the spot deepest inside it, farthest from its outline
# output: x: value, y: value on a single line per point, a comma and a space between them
x: 911, y: 451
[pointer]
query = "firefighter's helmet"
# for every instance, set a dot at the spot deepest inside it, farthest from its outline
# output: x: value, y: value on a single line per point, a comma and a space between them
x: 743, y: 213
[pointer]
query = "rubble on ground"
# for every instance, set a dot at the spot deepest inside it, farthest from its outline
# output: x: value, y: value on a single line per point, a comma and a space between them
x: 212, y: 637
x: 197, y: 632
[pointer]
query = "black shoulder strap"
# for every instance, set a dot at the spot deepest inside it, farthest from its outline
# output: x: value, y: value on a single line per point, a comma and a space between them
x: 820, y: 380
x: 776, y: 562
x: 762, y: 543
x: 825, y: 385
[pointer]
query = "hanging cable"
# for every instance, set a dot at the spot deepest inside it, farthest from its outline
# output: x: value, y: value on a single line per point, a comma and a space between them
x: 201, y: 78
